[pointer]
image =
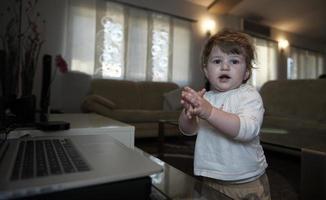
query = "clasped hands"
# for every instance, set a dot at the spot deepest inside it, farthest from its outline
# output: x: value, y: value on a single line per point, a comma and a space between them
x: 194, y: 103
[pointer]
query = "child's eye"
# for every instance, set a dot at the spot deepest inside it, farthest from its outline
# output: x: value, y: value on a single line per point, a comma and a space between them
x: 216, y: 61
x: 234, y: 61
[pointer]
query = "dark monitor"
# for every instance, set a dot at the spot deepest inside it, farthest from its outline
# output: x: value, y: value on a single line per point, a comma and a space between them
x: 46, y: 87
x: 44, y: 123
x: 2, y: 113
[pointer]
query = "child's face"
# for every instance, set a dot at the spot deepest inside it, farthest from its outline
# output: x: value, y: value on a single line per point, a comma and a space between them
x: 225, y: 71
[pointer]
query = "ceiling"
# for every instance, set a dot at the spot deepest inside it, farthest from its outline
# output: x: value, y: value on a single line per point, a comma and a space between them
x: 302, y: 17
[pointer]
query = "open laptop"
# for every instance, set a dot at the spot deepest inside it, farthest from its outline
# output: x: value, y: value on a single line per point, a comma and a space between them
x: 79, y: 161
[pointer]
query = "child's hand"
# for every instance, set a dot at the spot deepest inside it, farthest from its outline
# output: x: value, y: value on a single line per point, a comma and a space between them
x: 187, y: 106
x: 196, y: 103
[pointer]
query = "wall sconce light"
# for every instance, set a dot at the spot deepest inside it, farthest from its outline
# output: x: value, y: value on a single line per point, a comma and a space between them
x: 283, y: 44
x: 208, y: 26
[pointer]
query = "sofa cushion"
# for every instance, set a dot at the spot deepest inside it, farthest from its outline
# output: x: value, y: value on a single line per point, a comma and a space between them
x: 75, y: 86
x: 125, y: 94
x: 172, y: 100
x: 139, y: 103
x: 298, y: 99
x: 152, y: 94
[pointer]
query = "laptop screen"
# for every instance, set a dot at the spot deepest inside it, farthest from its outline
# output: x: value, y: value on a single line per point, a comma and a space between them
x: 2, y: 114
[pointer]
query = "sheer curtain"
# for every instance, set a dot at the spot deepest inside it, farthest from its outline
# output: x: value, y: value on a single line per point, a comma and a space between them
x: 304, y: 64
x: 136, y: 54
x: 112, y: 40
x: 265, y: 66
x: 80, y: 45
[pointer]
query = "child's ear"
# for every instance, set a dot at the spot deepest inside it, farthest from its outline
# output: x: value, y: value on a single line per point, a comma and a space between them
x: 246, y: 76
x: 205, y: 72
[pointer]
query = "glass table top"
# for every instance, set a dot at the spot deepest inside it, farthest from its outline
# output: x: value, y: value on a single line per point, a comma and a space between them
x: 175, y: 184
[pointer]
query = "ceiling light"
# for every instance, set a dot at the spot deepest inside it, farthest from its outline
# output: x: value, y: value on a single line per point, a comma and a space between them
x: 283, y: 43
x: 208, y: 26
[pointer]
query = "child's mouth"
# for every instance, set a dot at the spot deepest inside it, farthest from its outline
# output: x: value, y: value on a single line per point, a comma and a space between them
x: 224, y: 77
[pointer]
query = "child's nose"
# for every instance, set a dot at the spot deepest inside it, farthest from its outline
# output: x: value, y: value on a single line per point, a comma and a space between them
x: 225, y: 66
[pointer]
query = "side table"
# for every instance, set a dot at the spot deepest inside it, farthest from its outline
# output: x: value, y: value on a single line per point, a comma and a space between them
x: 161, y: 134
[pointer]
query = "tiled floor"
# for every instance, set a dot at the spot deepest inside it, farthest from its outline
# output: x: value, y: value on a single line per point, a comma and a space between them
x: 283, y: 170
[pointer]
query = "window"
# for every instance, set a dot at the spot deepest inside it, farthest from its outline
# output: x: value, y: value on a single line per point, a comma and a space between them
x: 265, y: 67
x: 80, y: 48
x: 159, y: 54
x: 304, y: 64
x: 130, y: 43
x: 110, y: 43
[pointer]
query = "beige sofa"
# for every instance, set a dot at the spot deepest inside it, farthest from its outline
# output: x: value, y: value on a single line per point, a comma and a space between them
x: 141, y: 104
x: 295, y: 104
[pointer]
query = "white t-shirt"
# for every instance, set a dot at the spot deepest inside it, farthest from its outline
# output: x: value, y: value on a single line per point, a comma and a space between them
x: 232, y: 159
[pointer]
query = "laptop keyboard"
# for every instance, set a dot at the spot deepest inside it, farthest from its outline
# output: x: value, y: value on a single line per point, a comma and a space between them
x: 39, y: 158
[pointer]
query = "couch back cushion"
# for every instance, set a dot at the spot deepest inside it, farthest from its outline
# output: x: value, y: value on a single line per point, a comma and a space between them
x: 74, y: 87
x: 152, y: 94
x: 124, y: 94
x: 304, y: 99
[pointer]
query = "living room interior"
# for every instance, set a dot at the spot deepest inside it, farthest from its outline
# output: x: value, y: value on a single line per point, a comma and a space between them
x: 127, y: 60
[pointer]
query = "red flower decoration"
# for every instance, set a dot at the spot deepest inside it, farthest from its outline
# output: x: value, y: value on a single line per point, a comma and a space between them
x: 61, y: 64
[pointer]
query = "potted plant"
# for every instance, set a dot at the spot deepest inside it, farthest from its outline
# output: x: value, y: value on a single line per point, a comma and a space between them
x: 21, y: 43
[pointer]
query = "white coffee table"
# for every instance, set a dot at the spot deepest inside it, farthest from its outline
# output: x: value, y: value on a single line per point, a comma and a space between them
x: 90, y: 123
x: 86, y: 124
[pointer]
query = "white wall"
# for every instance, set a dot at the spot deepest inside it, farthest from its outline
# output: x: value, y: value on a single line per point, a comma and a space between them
x: 53, y: 14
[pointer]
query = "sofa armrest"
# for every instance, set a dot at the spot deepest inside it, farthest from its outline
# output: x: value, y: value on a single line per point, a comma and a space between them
x: 94, y: 101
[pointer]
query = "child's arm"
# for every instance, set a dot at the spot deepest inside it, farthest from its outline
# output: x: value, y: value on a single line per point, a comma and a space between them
x: 188, y: 126
x: 226, y: 123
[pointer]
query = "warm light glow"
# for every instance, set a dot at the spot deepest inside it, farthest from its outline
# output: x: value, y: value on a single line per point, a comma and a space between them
x: 208, y: 26
x: 283, y: 43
